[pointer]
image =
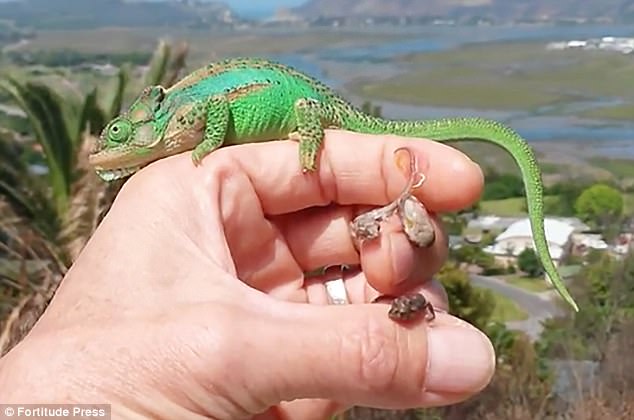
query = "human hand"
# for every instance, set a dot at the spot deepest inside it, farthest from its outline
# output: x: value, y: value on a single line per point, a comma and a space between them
x: 190, y: 298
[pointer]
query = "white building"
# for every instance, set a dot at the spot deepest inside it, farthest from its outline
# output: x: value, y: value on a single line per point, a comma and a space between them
x: 518, y: 236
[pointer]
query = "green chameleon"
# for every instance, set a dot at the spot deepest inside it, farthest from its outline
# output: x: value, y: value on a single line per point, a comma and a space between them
x: 245, y: 100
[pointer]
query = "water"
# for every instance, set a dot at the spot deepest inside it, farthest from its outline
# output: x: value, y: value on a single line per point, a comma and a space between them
x: 537, y: 126
x: 440, y: 38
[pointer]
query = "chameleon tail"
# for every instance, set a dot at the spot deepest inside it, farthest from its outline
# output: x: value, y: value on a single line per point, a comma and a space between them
x: 454, y: 129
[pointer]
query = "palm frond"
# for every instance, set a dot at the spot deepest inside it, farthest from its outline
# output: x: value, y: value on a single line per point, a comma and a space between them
x: 46, y: 219
x: 176, y: 65
x: 158, y: 64
x: 91, y: 198
x: 44, y: 111
x: 25, y: 192
x: 110, y: 98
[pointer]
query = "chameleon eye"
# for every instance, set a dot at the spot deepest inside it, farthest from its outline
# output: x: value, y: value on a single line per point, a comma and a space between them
x: 119, y: 131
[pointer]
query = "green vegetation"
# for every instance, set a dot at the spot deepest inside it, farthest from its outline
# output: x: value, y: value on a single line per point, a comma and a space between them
x: 576, y: 168
x: 604, y: 290
x: 501, y: 186
x: 478, y: 305
x: 473, y: 255
x: 505, y: 207
x: 530, y: 284
x: 50, y: 216
x: 203, y: 45
x: 620, y: 168
x: 528, y: 262
x: 599, y: 205
x: 514, y: 206
x: 628, y: 203
x: 505, y: 76
x: 616, y: 112
x: 557, y: 205
x: 506, y: 310
x: 69, y: 58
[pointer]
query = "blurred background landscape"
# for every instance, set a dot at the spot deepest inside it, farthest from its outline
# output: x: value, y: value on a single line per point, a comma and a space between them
x: 559, y: 72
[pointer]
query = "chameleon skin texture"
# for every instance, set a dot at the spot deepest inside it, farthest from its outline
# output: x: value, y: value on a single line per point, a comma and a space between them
x: 243, y: 100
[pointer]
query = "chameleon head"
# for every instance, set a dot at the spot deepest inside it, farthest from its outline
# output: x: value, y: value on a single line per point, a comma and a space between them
x: 124, y: 147
x: 128, y: 142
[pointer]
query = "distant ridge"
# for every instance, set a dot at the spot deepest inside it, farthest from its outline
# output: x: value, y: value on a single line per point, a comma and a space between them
x: 80, y: 14
x: 497, y: 10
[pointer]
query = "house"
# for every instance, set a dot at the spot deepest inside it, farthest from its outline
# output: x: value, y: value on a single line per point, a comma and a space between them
x: 624, y: 243
x: 518, y: 236
x: 584, y: 242
x: 455, y: 241
x: 489, y: 223
x: 477, y: 227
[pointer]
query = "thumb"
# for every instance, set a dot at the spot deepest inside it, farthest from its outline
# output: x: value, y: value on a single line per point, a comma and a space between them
x: 356, y: 355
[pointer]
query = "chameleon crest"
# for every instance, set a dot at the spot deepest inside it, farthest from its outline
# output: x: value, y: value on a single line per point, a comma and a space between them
x: 127, y: 140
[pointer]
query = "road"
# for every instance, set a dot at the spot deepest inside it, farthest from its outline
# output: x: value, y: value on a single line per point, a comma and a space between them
x: 538, y: 306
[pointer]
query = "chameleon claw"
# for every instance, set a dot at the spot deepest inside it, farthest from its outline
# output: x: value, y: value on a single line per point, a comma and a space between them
x: 196, y: 159
x: 308, y: 164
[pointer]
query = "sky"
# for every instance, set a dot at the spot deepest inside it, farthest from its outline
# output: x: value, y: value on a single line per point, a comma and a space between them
x: 254, y: 7
x: 257, y: 7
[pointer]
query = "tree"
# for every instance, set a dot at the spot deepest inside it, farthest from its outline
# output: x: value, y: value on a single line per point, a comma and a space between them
x: 561, y: 197
x: 475, y: 255
x: 528, y: 262
x: 599, y: 205
x: 604, y: 288
x: 522, y: 382
x: 501, y: 186
x: 472, y: 304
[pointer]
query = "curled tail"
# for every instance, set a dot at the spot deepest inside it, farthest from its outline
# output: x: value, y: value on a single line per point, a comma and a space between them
x: 453, y: 129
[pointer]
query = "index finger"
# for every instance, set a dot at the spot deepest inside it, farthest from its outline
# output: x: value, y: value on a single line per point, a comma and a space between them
x: 353, y: 169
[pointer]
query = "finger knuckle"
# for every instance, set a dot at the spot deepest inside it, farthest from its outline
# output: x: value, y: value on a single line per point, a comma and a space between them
x: 378, y: 357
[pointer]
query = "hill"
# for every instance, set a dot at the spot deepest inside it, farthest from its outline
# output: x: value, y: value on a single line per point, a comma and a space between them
x: 84, y: 14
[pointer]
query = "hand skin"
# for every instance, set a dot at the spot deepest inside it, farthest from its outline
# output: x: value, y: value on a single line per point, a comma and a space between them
x: 189, y: 300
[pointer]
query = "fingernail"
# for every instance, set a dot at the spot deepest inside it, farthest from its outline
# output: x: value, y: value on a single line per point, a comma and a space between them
x: 461, y: 360
x: 402, y: 257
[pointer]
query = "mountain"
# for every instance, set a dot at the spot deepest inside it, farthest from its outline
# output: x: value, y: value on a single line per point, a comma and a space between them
x: 497, y: 10
x: 76, y: 14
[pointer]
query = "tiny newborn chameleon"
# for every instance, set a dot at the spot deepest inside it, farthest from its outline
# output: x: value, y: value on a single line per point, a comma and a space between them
x: 416, y: 225
x: 243, y: 100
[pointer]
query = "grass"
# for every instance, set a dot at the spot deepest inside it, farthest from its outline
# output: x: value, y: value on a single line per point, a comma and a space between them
x: 506, y: 207
x: 506, y: 310
x: 530, y: 284
x: 12, y: 267
x: 620, y: 168
x: 569, y: 270
x: 511, y: 207
x: 616, y: 112
x: 505, y: 76
x: 203, y: 45
x: 628, y: 203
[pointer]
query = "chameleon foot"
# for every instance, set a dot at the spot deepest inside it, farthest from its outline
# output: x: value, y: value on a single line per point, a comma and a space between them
x: 411, y: 212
